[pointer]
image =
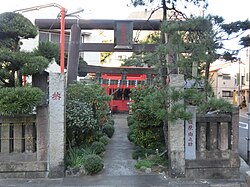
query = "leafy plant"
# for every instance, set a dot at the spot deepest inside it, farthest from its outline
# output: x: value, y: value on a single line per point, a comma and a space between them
x: 108, y: 130
x: 144, y: 163
x: 75, y: 157
x: 93, y: 164
x: 20, y: 100
x: 80, y: 123
x: 104, y: 140
x: 92, y: 94
x: 142, y: 153
x: 98, y: 147
x: 150, y: 161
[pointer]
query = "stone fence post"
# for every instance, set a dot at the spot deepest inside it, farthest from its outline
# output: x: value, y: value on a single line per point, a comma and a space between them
x: 56, y: 129
x: 176, y: 136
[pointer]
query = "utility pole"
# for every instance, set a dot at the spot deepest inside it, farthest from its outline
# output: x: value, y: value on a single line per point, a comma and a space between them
x: 248, y: 134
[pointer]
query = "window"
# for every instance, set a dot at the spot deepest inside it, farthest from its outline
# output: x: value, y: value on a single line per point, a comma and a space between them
x: 226, y: 77
x: 226, y: 93
x: 243, y: 80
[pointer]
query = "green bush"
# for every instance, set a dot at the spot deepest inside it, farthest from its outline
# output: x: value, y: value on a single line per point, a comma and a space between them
x: 104, y: 140
x: 108, y: 130
x: 98, y: 147
x: 81, y: 125
x: 93, y: 164
x: 215, y: 104
x: 150, y: 161
x: 92, y: 94
x: 19, y: 100
x: 75, y: 157
x: 131, y: 136
x: 130, y: 120
x: 144, y: 163
x: 150, y: 138
x: 142, y: 153
x: 111, y: 121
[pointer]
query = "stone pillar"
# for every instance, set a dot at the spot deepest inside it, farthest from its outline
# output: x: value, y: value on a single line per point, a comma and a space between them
x: 176, y: 155
x: 190, y: 135
x: 42, y: 132
x: 56, y: 129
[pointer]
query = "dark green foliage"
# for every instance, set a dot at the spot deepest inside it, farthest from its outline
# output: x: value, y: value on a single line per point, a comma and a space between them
x: 142, y: 153
x: 98, y: 147
x: 20, y: 100
x: 110, y: 121
x: 130, y: 120
x: 92, y: 94
x: 49, y: 50
x: 93, y: 164
x: 146, y: 121
x: 86, y: 108
x: 144, y: 163
x: 13, y: 28
x: 104, y: 140
x: 215, y: 105
x: 150, y: 161
x: 80, y: 123
x: 75, y: 157
x: 35, y: 64
x: 15, y: 24
x: 108, y: 129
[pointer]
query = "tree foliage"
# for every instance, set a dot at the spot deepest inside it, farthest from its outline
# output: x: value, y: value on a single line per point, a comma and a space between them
x: 13, y: 27
x: 13, y: 62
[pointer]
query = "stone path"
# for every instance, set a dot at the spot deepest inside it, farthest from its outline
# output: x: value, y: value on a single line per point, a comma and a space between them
x: 118, y: 156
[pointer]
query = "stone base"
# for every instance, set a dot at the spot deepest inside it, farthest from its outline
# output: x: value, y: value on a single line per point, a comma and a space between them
x: 24, y: 174
x: 57, y: 172
x: 213, y: 169
x: 213, y: 173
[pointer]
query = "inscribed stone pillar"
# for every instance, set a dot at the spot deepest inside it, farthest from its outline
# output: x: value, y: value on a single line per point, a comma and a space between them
x: 176, y: 136
x: 56, y: 125
x: 190, y: 135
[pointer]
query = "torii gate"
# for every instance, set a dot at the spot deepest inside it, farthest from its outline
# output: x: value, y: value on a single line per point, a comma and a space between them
x: 74, y: 46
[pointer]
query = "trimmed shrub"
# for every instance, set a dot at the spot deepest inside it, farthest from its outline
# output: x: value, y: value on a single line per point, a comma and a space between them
x: 93, y: 164
x: 108, y: 130
x: 81, y: 125
x: 98, y: 147
x: 111, y: 121
x: 20, y: 100
x: 104, y: 140
x: 130, y: 120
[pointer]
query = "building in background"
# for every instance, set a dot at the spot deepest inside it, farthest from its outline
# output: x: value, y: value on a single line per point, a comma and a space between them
x: 227, y: 77
x: 246, y: 61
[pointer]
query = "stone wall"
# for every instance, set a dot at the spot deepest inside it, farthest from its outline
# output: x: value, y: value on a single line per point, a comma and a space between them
x: 216, y: 148
x: 23, y: 145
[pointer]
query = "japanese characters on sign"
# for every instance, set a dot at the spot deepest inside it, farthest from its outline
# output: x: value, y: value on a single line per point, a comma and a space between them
x: 56, y: 96
x: 190, y: 135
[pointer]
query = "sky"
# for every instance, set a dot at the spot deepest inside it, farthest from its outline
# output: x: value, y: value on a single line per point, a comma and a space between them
x: 230, y: 10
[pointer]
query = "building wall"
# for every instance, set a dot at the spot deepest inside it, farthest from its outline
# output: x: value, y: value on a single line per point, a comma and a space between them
x: 224, y: 79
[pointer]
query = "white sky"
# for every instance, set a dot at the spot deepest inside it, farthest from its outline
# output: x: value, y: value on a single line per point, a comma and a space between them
x: 230, y: 10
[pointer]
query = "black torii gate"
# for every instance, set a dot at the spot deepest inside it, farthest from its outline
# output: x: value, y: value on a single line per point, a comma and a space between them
x: 74, y: 46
